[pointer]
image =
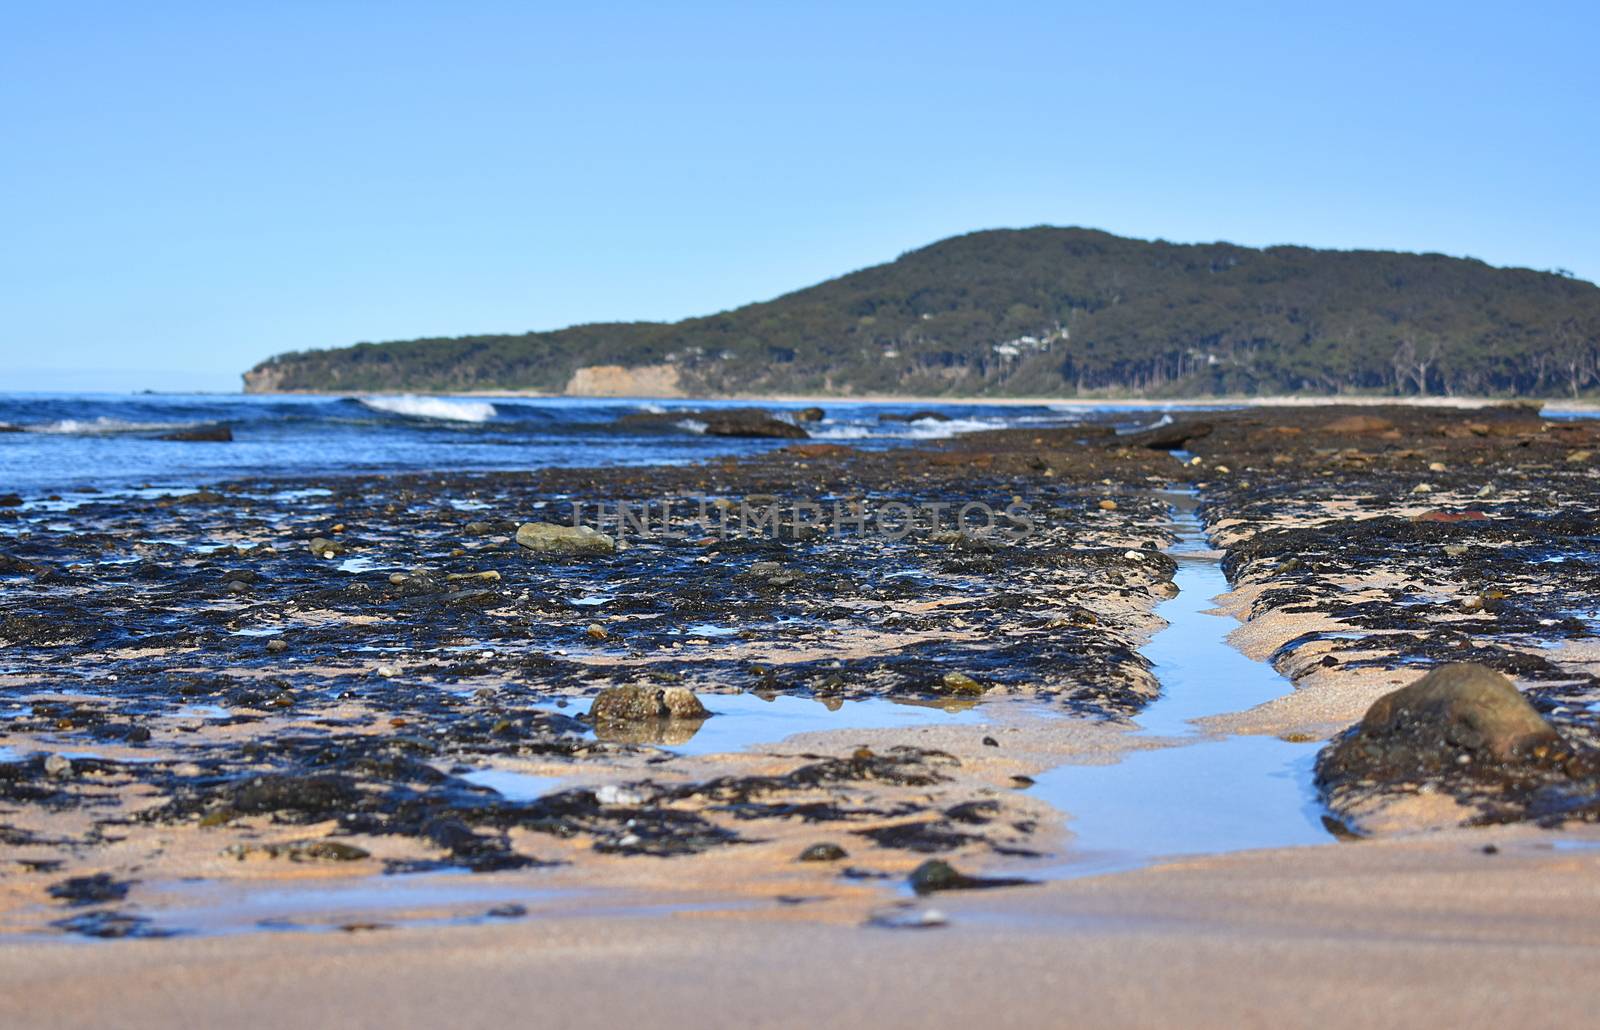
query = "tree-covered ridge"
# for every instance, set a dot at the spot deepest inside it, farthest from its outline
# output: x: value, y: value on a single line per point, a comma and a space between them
x: 1046, y: 311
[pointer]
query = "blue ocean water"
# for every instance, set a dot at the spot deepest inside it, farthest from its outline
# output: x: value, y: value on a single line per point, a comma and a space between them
x: 111, y: 441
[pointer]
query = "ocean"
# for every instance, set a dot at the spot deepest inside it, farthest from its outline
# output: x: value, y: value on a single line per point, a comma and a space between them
x: 71, y: 441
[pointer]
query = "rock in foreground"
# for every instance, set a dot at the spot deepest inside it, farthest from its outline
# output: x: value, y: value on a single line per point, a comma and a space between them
x: 1455, y: 710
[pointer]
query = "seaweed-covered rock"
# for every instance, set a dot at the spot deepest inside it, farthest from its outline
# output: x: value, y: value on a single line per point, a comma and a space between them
x: 550, y: 538
x: 638, y: 703
x: 1454, y: 710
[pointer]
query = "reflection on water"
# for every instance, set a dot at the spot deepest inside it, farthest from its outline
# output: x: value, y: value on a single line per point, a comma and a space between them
x: 741, y: 721
x: 1206, y: 794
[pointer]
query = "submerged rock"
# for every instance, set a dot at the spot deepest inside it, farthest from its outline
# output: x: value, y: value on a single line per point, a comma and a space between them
x: 740, y: 422
x: 201, y: 434
x: 550, y: 538
x: 914, y: 416
x: 636, y: 703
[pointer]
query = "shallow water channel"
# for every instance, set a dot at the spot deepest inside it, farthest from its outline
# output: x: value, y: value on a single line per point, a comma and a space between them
x: 1193, y: 791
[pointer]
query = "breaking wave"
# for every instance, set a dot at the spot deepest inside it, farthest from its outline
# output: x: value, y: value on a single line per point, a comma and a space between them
x: 105, y: 426
x: 441, y: 408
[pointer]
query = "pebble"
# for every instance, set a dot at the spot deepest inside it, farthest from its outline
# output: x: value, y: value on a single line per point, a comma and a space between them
x: 1108, y: 505
x: 276, y: 646
x: 595, y: 631
x: 58, y: 765
x: 826, y: 852
x: 960, y: 683
x: 909, y: 919
x: 322, y: 547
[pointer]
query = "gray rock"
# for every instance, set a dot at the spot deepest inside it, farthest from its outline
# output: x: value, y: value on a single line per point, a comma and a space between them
x: 550, y: 538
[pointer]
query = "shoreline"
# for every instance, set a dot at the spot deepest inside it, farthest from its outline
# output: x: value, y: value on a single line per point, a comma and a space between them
x: 1267, y: 401
x: 376, y: 659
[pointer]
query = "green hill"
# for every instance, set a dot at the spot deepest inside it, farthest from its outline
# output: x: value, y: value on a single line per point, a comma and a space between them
x: 1051, y: 312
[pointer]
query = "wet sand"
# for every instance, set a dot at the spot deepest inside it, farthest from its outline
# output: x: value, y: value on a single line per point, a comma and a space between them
x: 1432, y: 932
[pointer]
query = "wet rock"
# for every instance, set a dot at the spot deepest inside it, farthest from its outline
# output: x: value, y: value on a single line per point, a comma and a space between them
x: 10, y: 501
x: 750, y: 423
x: 58, y: 766
x: 959, y: 684
x: 809, y: 415
x: 638, y: 703
x: 550, y: 538
x: 322, y: 547
x: 1172, y: 437
x: 595, y: 631
x: 301, y: 851
x: 939, y: 875
x: 90, y: 890
x: 108, y: 924
x: 201, y: 434
x: 915, y: 416
x: 276, y: 646
x: 825, y: 852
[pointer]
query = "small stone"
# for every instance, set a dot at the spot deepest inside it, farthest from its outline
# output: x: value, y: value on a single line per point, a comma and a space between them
x: 990, y: 742
x: 58, y: 766
x: 595, y: 631
x: 823, y: 853
x: 1108, y: 505
x: 960, y: 683
x: 909, y: 919
x: 1577, y: 457
x: 322, y: 547
x: 276, y: 646
x: 938, y: 875
x: 1437, y: 466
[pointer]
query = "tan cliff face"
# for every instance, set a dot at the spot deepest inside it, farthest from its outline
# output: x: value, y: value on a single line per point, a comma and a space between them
x: 618, y: 381
x: 264, y: 378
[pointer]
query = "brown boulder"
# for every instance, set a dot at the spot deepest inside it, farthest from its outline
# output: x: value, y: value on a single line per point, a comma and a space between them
x: 1455, y: 709
x: 637, y: 703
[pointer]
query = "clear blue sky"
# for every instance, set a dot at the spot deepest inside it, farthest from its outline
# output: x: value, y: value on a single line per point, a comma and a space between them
x: 188, y: 188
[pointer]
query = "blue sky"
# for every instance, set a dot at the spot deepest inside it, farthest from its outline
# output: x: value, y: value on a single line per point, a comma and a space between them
x: 189, y: 188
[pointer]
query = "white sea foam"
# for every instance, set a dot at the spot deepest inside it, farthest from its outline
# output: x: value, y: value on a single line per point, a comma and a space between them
x: 104, y: 426
x: 922, y: 429
x: 442, y: 408
x: 692, y: 425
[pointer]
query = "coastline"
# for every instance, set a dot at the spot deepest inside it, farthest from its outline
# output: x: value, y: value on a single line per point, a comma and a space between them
x: 1272, y: 401
x: 417, y: 642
